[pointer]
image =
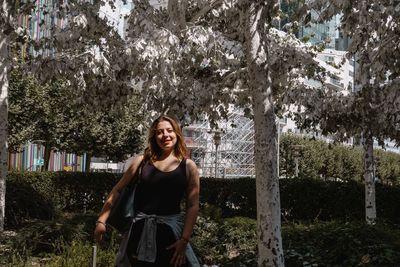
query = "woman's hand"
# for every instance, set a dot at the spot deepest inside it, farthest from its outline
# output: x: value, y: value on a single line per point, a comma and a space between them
x: 179, y: 256
x: 99, y: 231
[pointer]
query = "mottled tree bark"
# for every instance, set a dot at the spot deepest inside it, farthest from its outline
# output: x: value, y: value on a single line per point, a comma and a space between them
x: 3, y: 122
x: 270, y: 249
x: 369, y: 177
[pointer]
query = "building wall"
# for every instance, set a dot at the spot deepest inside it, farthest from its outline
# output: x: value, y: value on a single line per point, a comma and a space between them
x: 324, y: 33
x: 30, y: 156
x: 40, y: 24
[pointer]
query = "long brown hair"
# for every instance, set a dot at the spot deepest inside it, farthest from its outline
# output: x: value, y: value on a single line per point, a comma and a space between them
x: 153, y: 151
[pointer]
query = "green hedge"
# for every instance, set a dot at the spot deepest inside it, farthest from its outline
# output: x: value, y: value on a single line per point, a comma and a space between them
x: 302, y: 199
x: 334, y: 161
x: 42, y: 195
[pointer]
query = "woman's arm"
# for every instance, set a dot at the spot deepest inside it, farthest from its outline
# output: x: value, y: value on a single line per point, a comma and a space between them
x: 192, y: 210
x: 192, y: 200
x: 113, y: 196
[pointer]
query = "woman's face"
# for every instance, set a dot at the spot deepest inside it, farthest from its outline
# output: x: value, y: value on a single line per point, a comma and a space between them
x: 165, y: 135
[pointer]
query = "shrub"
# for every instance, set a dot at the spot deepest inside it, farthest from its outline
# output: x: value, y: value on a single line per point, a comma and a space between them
x: 23, y: 202
x: 66, y: 241
x: 44, y: 195
x: 334, y: 161
x: 335, y: 243
x: 341, y: 244
x: 302, y: 199
x: 230, y: 242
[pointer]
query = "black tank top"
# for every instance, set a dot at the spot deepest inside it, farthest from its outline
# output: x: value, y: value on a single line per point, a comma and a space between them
x: 159, y: 192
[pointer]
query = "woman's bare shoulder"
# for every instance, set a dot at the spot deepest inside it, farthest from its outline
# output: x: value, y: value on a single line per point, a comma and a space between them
x: 191, y: 165
x: 135, y: 162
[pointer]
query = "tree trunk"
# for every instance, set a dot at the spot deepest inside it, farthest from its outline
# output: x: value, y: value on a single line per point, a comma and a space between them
x: 46, y: 157
x: 87, y: 163
x: 370, y: 204
x: 270, y: 251
x: 3, y: 123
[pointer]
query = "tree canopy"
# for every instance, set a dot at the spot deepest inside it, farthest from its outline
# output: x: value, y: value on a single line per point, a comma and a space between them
x: 50, y: 113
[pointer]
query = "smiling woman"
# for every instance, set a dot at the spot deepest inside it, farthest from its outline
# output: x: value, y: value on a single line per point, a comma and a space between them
x: 159, y: 234
x: 165, y: 135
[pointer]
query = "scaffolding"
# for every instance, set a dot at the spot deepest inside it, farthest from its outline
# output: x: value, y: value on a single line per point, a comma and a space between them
x: 227, y: 152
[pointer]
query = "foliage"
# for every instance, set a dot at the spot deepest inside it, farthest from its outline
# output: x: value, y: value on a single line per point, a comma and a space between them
x: 186, y: 56
x: 24, y: 202
x: 387, y: 167
x: 319, y: 159
x: 301, y: 199
x: 205, y: 51
x: 66, y: 241
x: 334, y: 161
x: 230, y: 242
x: 46, y: 195
x: 373, y: 108
x: 36, y: 111
x: 52, y: 113
x: 113, y: 133
x: 340, y: 243
x: 335, y: 243
x: 59, y: 191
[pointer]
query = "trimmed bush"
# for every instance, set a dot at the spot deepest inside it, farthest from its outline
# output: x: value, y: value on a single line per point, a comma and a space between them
x: 43, y: 195
x: 23, y: 201
x: 334, y: 161
x: 302, y: 199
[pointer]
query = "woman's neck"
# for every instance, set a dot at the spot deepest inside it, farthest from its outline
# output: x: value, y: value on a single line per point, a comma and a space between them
x: 166, y: 154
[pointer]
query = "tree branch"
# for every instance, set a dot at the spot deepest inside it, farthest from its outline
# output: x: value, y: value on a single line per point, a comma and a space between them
x: 205, y: 10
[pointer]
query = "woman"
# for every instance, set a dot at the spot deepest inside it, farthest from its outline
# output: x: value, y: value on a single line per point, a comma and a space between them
x: 160, y: 233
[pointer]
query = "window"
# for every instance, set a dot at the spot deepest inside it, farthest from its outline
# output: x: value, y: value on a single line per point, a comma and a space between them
x: 329, y: 59
x: 336, y: 81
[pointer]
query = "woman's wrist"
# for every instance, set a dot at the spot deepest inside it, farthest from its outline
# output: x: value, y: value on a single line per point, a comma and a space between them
x: 186, y: 240
x: 101, y: 222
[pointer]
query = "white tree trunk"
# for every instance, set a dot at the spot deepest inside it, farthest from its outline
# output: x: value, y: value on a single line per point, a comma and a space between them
x: 3, y: 123
x: 370, y: 203
x: 270, y: 251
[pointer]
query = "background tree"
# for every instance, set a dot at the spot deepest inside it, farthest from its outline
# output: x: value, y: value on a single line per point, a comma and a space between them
x: 8, y: 32
x: 39, y: 113
x: 372, y: 112
x: 113, y: 134
x: 195, y: 57
x: 50, y: 113
x: 80, y: 51
x: 199, y: 57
